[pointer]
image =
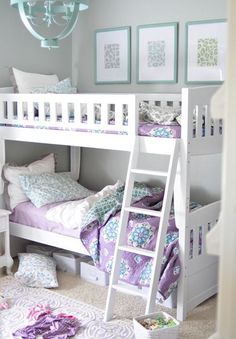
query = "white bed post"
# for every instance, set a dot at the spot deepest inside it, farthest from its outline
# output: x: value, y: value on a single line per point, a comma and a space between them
x: 2, y: 162
x: 75, y: 162
x: 181, y: 203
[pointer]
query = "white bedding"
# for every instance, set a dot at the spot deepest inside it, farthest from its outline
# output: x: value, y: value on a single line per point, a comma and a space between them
x: 71, y: 213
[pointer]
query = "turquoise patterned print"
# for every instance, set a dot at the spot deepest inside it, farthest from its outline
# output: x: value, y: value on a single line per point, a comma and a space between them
x: 141, y: 235
x: 164, y: 132
x: 171, y: 237
x: 124, y: 269
x: 145, y: 276
x: 110, y: 230
x: 207, y: 52
x: 172, y: 287
x: 93, y: 248
x: 109, y: 265
x: 138, y: 259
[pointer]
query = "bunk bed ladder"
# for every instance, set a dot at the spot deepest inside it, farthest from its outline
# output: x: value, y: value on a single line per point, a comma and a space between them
x: 126, y: 209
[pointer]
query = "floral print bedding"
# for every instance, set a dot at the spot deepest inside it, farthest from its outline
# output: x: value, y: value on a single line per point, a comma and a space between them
x: 99, y: 233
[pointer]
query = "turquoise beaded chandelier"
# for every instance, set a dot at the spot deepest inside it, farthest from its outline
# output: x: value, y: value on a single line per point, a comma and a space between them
x: 49, y: 16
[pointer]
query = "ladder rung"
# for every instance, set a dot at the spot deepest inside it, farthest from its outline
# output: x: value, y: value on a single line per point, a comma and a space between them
x: 128, y: 289
x: 137, y: 250
x: 149, y: 172
x: 143, y: 211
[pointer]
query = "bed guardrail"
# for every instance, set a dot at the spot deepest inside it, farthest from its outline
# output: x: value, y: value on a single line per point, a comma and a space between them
x: 114, y: 113
x: 109, y: 112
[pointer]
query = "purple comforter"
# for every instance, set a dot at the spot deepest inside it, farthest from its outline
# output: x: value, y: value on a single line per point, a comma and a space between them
x: 100, y: 237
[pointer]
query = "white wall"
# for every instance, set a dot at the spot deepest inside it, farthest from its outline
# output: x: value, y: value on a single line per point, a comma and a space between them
x: 102, y: 167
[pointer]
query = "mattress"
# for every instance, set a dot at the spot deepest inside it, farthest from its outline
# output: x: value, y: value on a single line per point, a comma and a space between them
x: 144, y: 129
x: 27, y: 214
x: 160, y: 131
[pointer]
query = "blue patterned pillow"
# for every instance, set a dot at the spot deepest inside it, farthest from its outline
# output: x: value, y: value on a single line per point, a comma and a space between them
x: 48, y: 188
x: 62, y: 87
x: 37, y: 270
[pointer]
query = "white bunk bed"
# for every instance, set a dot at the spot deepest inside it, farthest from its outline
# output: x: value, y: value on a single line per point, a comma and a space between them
x: 19, y: 122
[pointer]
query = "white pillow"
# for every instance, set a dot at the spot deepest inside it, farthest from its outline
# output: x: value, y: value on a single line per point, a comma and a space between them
x: 25, y: 82
x: 11, y: 174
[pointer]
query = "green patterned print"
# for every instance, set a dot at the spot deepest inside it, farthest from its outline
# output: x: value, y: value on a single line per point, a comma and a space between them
x: 207, y: 52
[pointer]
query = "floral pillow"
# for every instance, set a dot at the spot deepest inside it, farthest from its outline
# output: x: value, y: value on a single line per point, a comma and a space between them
x: 62, y: 87
x: 48, y: 188
x: 36, y: 270
x: 162, y: 115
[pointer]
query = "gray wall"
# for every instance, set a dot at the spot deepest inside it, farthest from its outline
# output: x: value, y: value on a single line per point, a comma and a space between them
x: 21, y: 153
x: 100, y: 167
x: 21, y: 50
x: 113, y: 13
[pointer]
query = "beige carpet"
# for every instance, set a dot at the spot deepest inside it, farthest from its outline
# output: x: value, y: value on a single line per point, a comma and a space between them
x: 22, y: 298
x: 200, y: 323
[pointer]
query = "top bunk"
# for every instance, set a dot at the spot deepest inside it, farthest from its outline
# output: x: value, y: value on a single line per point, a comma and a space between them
x: 112, y: 121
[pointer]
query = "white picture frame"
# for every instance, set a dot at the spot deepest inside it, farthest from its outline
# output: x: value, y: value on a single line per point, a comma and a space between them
x: 157, y: 53
x: 206, y: 46
x: 112, y: 55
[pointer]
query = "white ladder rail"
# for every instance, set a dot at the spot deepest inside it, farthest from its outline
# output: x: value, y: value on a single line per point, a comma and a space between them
x: 121, y: 234
x: 163, y: 225
x: 126, y: 208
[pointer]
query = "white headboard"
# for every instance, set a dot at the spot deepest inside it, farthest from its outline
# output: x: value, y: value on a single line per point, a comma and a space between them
x: 6, y: 90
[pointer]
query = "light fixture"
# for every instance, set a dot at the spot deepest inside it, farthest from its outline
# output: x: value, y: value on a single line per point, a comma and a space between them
x: 50, y: 20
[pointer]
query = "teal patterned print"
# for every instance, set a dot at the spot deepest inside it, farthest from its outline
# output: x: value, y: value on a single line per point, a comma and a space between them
x: 109, y: 265
x: 124, y: 269
x: 164, y: 132
x: 62, y: 87
x: 207, y: 52
x: 36, y: 270
x: 48, y: 188
x: 145, y: 276
x: 110, y: 230
x: 141, y: 235
x: 93, y: 249
x: 171, y: 237
x: 112, y: 203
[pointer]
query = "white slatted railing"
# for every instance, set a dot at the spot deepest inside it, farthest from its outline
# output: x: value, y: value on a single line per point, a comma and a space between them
x: 201, y: 221
x: 69, y: 111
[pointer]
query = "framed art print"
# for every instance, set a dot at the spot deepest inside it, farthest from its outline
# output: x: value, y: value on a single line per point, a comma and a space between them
x: 206, y: 45
x: 157, y: 48
x: 112, y: 55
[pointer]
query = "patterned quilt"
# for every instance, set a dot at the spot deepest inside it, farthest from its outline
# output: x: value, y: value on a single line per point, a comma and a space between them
x: 99, y: 234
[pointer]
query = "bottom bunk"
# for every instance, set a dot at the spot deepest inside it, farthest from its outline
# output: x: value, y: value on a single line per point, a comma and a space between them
x: 97, y: 236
